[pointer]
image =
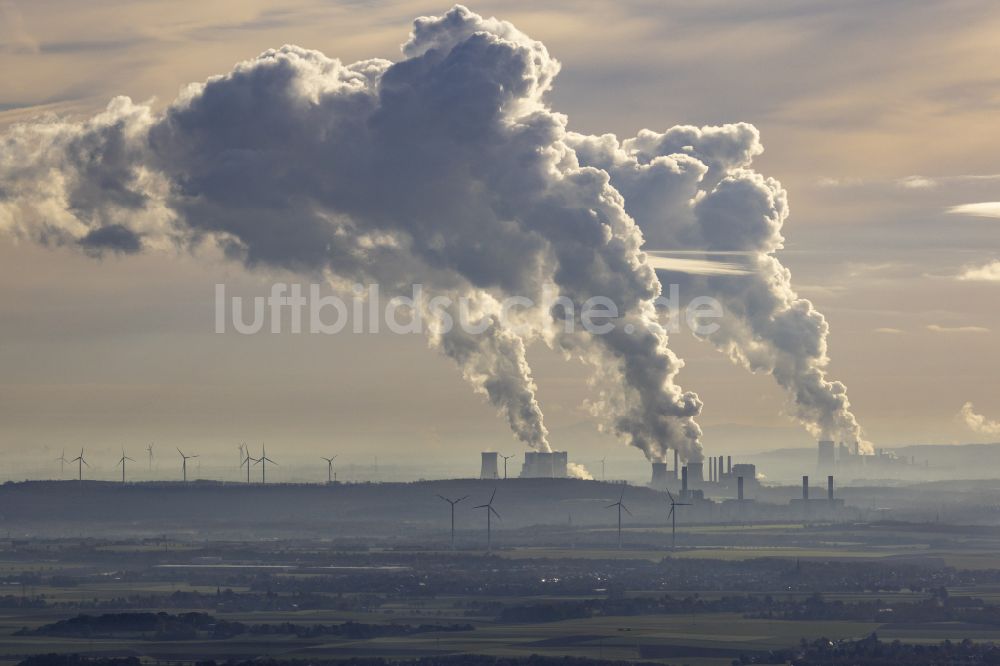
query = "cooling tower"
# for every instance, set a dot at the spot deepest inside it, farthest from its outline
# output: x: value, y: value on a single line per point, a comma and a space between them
x: 660, y: 476
x: 489, y: 468
x: 826, y: 453
x: 545, y: 465
x: 560, y: 462
x: 696, y: 476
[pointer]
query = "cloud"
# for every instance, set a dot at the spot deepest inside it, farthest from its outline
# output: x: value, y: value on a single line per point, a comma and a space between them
x: 917, y: 182
x: 446, y: 168
x: 984, y: 209
x: 986, y: 273
x: 889, y: 331
x: 978, y: 422
x: 957, y: 329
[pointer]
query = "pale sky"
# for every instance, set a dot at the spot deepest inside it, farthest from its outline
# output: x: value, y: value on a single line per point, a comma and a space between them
x: 878, y: 117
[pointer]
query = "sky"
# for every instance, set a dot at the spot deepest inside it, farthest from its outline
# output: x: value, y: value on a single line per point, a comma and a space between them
x: 878, y: 118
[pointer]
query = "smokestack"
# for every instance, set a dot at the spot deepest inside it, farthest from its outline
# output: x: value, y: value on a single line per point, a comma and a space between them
x: 829, y: 488
x: 659, y: 479
x: 729, y: 465
x: 489, y: 469
x: 677, y: 463
x: 739, y: 488
x: 711, y: 469
x: 718, y: 477
x: 684, y: 479
x: 805, y: 488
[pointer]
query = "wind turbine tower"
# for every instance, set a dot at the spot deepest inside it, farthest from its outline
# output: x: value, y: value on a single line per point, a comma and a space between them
x: 490, y: 512
x: 121, y: 462
x: 329, y: 468
x: 453, y: 503
x: 62, y: 462
x: 184, y: 463
x: 505, y: 459
x: 263, y: 460
x: 620, y: 506
x: 79, y: 459
x: 673, y: 519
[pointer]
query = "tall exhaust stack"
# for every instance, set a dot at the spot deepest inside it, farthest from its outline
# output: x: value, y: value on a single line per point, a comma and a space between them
x: 729, y: 465
x: 659, y: 479
x: 489, y: 470
x: 829, y: 488
x: 739, y: 488
x: 718, y: 476
x: 805, y: 488
x: 684, y: 480
x: 677, y: 464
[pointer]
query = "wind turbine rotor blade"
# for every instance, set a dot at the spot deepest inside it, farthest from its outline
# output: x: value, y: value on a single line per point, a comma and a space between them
x: 626, y: 510
x: 493, y: 495
x: 482, y: 506
x: 496, y: 513
x: 669, y: 515
x: 611, y: 506
x: 461, y: 498
x: 670, y: 496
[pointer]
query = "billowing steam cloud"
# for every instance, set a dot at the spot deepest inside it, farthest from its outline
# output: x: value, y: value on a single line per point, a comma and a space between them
x: 446, y: 168
x: 693, y: 189
x: 978, y: 422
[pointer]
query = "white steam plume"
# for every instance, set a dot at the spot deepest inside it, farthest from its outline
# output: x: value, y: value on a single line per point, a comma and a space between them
x: 446, y: 168
x: 693, y: 188
x: 978, y: 422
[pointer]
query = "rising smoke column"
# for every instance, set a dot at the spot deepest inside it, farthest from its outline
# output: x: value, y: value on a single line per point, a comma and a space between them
x: 446, y: 168
x: 693, y: 188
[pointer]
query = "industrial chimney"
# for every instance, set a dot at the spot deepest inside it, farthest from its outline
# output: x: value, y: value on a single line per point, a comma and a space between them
x: 805, y: 488
x: 677, y: 464
x: 684, y: 480
x: 739, y: 488
x: 489, y: 469
x: 729, y: 465
x: 659, y: 479
x: 829, y: 488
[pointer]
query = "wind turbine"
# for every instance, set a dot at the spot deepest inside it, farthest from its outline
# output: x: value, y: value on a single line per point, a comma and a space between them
x: 184, y: 463
x: 79, y: 459
x: 453, y: 503
x: 122, y: 463
x: 329, y: 468
x: 62, y: 462
x: 620, y: 506
x: 505, y: 459
x: 673, y: 519
x: 149, y: 450
x: 246, y: 461
x: 263, y: 460
x: 490, y: 512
